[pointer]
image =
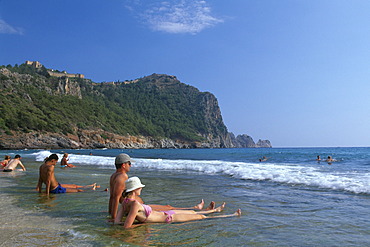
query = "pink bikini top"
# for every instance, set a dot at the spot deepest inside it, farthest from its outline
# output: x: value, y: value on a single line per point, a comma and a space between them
x: 147, y: 209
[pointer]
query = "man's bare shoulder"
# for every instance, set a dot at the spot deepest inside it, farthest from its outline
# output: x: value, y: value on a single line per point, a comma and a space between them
x: 119, y: 177
x: 45, y: 167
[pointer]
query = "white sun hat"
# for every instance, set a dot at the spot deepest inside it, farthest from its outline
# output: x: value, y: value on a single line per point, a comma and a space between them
x: 133, y: 183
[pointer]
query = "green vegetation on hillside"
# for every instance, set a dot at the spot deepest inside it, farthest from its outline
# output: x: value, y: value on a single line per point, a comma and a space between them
x: 156, y: 106
x: 27, y: 69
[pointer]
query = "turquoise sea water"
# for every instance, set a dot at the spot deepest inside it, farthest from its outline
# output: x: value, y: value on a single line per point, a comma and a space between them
x: 289, y: 200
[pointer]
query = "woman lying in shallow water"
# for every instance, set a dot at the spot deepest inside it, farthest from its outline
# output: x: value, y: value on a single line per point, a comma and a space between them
x: 134, y: 210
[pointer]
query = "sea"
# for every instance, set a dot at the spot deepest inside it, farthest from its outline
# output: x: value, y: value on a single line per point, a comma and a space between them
x: 289, y: 200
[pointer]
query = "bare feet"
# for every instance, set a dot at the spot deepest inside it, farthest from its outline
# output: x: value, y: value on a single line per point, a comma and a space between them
x: 200, y: 205
x: 211, y: 206
x: 220, y: 208
x: 93, y: 186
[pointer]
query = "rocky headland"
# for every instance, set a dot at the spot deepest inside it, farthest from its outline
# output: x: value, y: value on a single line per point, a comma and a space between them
x: 158, y: 111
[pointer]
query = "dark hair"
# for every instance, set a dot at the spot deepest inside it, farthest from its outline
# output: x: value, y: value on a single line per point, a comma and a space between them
x: 126, y: 194
x: 52, y: 157
x: 17, y: 156
x: 118, y: 166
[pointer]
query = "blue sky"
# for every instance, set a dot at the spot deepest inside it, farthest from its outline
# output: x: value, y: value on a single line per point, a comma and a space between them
x: 295, y: 72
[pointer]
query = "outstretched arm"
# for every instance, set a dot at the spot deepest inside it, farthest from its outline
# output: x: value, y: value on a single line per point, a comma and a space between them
x: 48, y: 181
x: 119, y: 216
x: 117, y: 190
x: 24, y: 168
x: 39, y: 185
x: 135, y: 206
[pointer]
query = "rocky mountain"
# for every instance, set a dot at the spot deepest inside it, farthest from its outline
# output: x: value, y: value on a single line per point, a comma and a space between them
x: 156, y: 111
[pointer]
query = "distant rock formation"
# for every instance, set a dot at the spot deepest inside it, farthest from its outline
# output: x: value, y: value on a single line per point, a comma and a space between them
x: 263, y: 144
x: 245, y: 141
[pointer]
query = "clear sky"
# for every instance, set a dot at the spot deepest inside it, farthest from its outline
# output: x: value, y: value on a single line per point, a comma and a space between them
x: 296, y: 72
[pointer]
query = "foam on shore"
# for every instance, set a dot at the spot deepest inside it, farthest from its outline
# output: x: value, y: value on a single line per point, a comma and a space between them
x: 298, y: 174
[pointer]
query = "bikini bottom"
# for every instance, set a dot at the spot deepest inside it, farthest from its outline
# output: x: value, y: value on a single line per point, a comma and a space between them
x: 169, y: 214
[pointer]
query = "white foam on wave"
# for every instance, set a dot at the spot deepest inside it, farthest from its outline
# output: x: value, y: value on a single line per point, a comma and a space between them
x: 80, y: 159
x: 78, y: 235
x: 281, y: 173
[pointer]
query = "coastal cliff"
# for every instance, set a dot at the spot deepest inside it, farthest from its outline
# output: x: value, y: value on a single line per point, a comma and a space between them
x: 156, y: 111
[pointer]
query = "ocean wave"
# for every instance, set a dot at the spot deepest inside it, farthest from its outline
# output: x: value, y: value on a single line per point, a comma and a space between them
x: 298, y: 174
x: 100, y: 161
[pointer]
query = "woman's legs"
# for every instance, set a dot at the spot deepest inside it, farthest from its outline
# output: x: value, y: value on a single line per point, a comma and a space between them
x: 201, y: 205
x: 187, y: 217
x: 237, y: 213
x: 218, y: 209
x: 190, y: 217
x: 169, y: 207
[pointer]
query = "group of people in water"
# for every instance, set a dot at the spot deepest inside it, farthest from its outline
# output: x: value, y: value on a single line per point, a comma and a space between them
x: 9, y: 164
x: 318, y: 159
x: 125, y: 192
x: 125, y: 204
x: 329, y: 159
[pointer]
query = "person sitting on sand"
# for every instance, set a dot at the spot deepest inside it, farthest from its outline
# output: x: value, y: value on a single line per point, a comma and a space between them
x: 5, y: 162
x: 13, y: 164
x: 46, y: 176
x: 64, y: 161
x: 117, y: 186
x: 135, y: 210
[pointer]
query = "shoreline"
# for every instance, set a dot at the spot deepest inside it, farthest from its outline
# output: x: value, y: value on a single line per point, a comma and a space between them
x: 30, y: 219
x: 280, y: 200
x: 22, y: 227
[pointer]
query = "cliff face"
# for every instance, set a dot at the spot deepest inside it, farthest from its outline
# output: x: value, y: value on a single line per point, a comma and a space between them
x: 54, y: 86
x: 68, y: 87
x: 86, y: 139
x: 218, y: 135
x: 155, y: 111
